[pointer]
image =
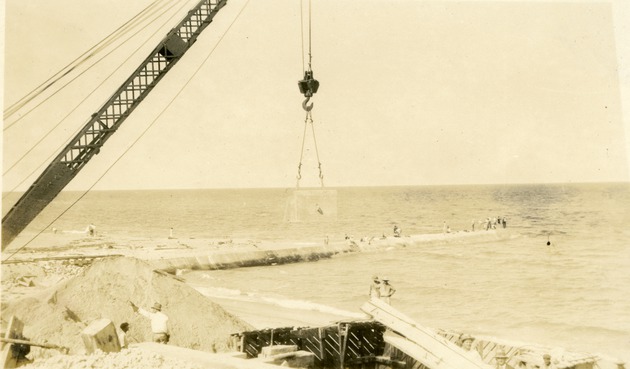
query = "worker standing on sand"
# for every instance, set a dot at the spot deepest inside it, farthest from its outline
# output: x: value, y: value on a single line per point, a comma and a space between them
x: 159, y: 322
x: 375, y: 288
x: 387, y: 290
x: 122, y: 335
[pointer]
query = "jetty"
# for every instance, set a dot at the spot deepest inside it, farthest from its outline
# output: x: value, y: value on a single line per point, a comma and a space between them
x: 173, y: 254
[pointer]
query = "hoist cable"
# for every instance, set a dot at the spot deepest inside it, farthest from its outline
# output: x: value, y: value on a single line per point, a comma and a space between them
x: 308, y: 86
x: 141, y: 135
x: 90, y: 52
x: 54, y: 152
x: 302, y: 34
x: 310, y: 55
x: 309, y: 35
x: 97, y: 87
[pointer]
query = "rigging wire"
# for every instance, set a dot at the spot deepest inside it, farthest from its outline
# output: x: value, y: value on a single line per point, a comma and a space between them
x: 94, y: 50
x: 102, y: 47
x: 309, y: 120
x: 139, y: 137
x: 78, y: 61
x: 93, y: 90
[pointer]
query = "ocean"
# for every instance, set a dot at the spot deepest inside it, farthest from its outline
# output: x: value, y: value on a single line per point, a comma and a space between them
x: 573, y: 293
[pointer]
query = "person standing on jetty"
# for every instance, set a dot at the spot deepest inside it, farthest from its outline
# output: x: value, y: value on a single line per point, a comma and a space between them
x: 387, y: 290
x: 375, y: 288
x: 159, y: 321
x: 547, y: 364
x: 397, y: 231
x: 91, y: 230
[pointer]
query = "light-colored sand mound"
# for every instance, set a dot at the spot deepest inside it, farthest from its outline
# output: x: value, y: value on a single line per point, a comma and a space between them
x: 105, y: 289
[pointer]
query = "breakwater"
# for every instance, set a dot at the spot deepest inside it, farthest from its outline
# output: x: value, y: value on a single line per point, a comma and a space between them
x: 238, y: 255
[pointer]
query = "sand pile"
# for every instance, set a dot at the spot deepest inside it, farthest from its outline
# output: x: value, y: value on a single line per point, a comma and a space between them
x: 104, y: 290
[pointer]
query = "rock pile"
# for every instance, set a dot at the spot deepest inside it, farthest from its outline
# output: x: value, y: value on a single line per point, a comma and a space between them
x: 41, y: 274
x: 133, y: 358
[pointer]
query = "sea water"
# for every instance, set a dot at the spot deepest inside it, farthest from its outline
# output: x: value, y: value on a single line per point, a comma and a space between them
x: 573, y: 293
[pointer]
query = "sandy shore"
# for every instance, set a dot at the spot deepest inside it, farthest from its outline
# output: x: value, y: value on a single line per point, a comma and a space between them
x: 262, y: 316
x: 47, y: 285
x: 61, y: 282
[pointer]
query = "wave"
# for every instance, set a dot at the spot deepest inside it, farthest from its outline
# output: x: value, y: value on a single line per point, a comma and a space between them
x: 572, y: 329
x: 231, y: 294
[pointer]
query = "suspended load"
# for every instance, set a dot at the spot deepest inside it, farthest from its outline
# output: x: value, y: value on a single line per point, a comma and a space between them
x: 311, y: 205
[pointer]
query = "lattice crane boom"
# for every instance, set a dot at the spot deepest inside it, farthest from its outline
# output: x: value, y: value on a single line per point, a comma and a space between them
x: 104, y: 123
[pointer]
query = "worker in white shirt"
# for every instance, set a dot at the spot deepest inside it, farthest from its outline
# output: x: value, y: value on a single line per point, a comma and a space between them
x: 159, y: 321
x: 387, y: 290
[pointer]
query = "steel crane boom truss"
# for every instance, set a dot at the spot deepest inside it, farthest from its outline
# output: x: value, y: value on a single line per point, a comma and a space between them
x: 108, y: 119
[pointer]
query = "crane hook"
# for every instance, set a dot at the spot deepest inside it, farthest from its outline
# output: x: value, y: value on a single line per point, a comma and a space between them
x: 307, y: 107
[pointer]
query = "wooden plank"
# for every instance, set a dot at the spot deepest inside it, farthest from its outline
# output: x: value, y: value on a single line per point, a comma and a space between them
x: 423, y: 344
x: 419, y: 353
x: 6, y: 357
x: 30, y: 343
x: 14, y: 330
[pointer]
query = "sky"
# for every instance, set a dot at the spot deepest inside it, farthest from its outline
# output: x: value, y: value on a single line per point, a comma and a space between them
x: 412, y: 93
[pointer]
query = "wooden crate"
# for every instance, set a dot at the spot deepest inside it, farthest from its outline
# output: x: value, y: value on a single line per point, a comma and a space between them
x: 100, y: 335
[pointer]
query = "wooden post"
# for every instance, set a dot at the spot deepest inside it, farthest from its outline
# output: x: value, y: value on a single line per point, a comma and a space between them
x: 14, y: 329
x: 321, y: 343
x: 343, y: 329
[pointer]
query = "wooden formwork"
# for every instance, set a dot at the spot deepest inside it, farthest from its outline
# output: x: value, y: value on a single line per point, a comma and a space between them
x: 393, y: 340
x: 398, y: 355
x: 344, y: 345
